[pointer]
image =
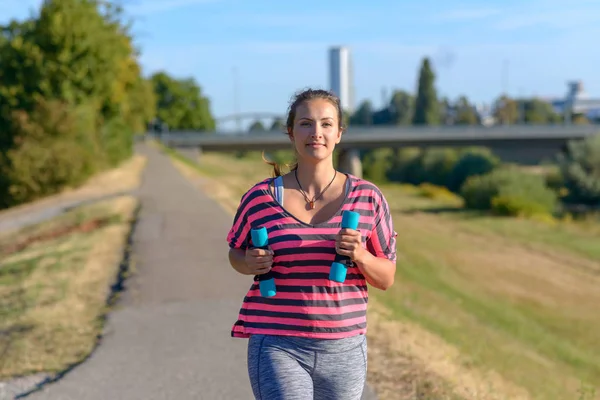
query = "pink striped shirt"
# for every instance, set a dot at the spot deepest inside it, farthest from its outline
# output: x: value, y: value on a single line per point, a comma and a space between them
x: 307, y: 303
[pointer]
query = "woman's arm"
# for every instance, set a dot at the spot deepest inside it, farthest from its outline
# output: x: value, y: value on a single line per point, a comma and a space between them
x: 378, y: 271
x: 251, y: 261
x: 237, y: 259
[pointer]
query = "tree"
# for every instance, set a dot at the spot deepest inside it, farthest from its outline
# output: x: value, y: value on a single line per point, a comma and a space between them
x: 539, y: 112
x: 363, y: 115
x: 257, y: 126
x: 465, y: 113
x: 180, y: 103
x: 427, y: 110
x: 580, y: 171
x: 506, y: 110
x: 76, y: 60
x: 278, y: 125
x: 401, y: 107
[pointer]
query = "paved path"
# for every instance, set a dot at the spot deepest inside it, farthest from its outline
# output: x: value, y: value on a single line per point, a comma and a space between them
x: 169, y: 337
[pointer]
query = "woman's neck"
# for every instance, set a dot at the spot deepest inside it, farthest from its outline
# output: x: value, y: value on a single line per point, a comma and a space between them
x: 315, y: 177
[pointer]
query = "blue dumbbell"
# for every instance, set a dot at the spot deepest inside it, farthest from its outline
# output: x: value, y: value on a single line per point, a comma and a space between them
x: 340, y: 265
x: 266, y: 282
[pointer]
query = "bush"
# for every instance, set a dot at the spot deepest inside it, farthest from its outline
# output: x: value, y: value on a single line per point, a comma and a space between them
x: 472, y: 161
x: 117, y: 141
x: 437, y: 192
x: 377, y: 164
x: 436, y: 165
x: 54, y: 148
x: 508, y: 191
x: 517, y: 206
x: 580, y: 171
x: 406, y: 166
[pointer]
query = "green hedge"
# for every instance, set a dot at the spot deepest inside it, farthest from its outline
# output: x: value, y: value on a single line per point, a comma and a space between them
x: 508, y: 191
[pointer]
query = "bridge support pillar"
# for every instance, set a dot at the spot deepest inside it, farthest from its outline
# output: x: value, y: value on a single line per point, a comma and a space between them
x: 349, y: 162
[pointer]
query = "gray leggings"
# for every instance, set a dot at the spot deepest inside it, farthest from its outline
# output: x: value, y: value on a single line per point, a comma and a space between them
x: 295, y: 368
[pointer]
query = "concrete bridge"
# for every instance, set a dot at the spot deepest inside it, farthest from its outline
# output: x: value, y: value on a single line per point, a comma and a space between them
x: 524, y: 144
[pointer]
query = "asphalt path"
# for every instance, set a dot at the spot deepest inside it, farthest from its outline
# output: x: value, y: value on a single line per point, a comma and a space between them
x: 169, y: 336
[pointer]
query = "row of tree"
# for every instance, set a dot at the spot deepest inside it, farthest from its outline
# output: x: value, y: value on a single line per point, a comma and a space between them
x: 426, y: 108
x: 72, y: 97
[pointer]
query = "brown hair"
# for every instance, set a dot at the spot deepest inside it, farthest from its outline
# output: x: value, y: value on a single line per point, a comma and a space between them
x: 298, y: 99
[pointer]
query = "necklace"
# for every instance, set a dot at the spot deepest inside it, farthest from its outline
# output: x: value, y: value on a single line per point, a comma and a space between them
x: 311, y: 203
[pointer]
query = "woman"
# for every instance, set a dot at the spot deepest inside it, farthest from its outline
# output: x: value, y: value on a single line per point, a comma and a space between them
x: 308, y: 341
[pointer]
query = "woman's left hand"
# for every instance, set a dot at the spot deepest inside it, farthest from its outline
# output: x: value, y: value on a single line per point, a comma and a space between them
x: 349, y: 243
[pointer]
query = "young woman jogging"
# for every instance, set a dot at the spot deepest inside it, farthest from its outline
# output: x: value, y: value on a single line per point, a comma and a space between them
x: 308, y: 340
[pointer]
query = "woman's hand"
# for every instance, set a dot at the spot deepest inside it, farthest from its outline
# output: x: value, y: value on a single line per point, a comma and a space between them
x: 349, y: 243
x: 258, y: 261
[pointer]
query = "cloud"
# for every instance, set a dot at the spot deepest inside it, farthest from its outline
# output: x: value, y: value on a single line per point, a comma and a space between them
x: 146, y: 7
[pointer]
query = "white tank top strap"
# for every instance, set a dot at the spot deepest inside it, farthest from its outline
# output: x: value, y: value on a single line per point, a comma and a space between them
x: 279, y: 189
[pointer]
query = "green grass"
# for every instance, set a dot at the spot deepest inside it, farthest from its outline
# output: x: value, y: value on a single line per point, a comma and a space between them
x: 537, y: 325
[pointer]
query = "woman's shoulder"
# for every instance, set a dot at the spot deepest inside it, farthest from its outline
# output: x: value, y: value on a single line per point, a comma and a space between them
x: 365, y: 187
x: 257, y: 188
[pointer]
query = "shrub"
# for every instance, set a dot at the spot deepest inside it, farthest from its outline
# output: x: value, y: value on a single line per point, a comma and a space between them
x: 508, y: 191
x: 117, y: 141
x: 54, y: 148
x: 437, y: 192
x: 580, y: 171
x: 472, y: 162
x: 406, y: 166
x: 436, y: 165
x: 377, y: 164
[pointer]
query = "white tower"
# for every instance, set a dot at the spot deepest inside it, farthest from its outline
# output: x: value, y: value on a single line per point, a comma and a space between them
x: 341, y: 76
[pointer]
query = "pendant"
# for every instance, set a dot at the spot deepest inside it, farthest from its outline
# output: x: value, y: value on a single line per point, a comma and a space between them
x: 311, y: 204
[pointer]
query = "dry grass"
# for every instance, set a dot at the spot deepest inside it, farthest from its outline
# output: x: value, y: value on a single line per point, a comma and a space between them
x: 483, y: 308
x: 54, y: 293
x: 56, y: 276
x: 117, y: 180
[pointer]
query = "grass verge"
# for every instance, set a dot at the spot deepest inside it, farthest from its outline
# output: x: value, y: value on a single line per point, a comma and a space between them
x: 483, y: 307
x: 54, y: 289
x: 58, y: 278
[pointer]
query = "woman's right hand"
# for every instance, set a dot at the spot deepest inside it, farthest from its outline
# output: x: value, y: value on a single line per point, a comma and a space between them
x: 258, y: 261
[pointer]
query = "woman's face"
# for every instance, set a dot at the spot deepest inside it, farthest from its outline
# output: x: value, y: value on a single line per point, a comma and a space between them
x: 316, y: 130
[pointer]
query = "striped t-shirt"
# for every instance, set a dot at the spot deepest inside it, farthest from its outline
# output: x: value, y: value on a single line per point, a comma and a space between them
x: 307, y: 303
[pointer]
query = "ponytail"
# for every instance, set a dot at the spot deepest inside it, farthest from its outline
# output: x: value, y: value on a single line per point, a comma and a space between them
x: 277, y: 168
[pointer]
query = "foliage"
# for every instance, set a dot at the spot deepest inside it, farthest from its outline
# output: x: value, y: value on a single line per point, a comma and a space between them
x: 376, y: 164
x: 50, y: 152
x: 181, y: 104
x: 427, y: 110
x: 509, y: 191
x: 436, y: 165
x: 405, y: 166
x: 75, y: 59
x: 278, y: 125
x: 257, y: 126
x: 402, y: 107
x: 363, y: 115
x: 472, y: 161
x: 580, y: 171
x: 465, y: 113
x: 431, y: 191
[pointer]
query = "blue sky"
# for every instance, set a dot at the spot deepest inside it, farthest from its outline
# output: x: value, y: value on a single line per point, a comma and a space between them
x: 279, y: 47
